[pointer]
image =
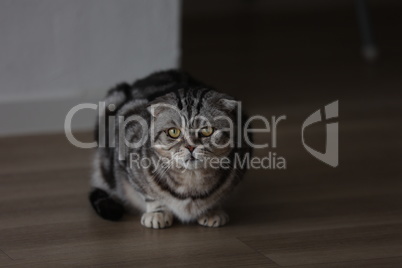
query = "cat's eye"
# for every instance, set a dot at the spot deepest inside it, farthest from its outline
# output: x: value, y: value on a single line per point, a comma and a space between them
x: 173, y: 132
x: 207, y: 131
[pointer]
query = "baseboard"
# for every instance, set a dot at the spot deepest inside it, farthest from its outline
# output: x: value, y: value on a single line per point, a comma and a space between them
x: 43, y: 116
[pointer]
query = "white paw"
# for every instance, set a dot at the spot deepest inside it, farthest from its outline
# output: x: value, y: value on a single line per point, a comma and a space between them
x: 214, y: 218
x: 157, y: 220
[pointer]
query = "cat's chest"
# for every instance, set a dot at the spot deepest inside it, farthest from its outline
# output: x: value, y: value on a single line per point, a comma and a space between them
x: 190, y: 184
x: 187, y: 209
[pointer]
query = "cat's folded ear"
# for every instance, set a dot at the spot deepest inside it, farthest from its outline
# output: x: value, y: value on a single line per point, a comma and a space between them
x: 228, y: 105
x: 156, y: 109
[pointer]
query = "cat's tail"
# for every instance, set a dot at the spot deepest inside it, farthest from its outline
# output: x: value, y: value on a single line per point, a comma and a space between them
x: 105, y: 206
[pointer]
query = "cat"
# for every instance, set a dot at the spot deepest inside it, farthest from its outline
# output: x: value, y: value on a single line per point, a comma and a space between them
x: 189, y: 122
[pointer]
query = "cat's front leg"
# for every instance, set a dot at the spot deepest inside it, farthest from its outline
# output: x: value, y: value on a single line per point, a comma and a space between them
x: 157, y: 216
x: 213, y: 218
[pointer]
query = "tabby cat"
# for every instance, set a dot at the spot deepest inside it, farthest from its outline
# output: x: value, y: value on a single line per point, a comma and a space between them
x: 169, y: 116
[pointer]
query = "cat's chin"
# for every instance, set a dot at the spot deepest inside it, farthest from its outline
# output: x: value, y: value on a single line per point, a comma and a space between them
x: 192, y: 164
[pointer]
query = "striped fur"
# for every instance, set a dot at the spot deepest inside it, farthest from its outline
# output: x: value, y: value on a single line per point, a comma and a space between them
x: 188, y: 192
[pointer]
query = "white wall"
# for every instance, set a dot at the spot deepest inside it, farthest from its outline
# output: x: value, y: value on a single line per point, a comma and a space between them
x: 57, y: 53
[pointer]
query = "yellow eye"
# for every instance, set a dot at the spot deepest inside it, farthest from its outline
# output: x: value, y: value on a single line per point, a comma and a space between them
x: 174, y: 132
x: 207, y: 131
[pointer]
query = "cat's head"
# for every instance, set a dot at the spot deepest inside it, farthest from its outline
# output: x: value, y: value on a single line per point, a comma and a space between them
x: 192, y: 127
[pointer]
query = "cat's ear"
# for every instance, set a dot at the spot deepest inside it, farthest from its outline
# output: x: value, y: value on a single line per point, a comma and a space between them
x: 228, y: 104
x: 156, y: 109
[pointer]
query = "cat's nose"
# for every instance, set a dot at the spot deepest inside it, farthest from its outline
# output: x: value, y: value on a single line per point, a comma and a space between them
x: 190, y: 148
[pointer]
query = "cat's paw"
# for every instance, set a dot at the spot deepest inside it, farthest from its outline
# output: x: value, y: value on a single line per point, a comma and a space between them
x: 157, y: 220
x: 213, y: 218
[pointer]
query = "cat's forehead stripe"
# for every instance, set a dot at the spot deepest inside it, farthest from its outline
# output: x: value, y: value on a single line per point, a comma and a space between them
x: 179, y: 102
x: 199, y: 104
x: 189, y: 100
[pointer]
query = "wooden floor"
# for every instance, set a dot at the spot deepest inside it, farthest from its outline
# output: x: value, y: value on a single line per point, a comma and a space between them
x: 309, y: 215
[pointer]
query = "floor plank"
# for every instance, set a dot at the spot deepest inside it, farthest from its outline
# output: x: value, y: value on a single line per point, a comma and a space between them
x: 128, y: 244
x: 325, y: 246
x: 371, y: 263
x: 5, y: 259
x: 21, y: 154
